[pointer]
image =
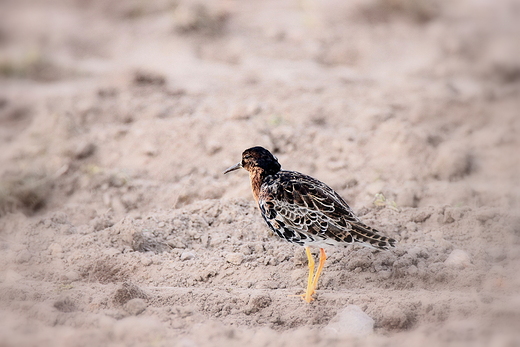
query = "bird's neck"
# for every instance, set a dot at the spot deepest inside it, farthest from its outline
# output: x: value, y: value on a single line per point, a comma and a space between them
x: 257, y: 177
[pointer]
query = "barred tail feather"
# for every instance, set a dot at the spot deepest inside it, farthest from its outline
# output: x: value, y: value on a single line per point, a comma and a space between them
x: 371, y: 237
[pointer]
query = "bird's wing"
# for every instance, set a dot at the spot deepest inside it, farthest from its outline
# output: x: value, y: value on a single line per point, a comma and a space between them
x: 313, y: 211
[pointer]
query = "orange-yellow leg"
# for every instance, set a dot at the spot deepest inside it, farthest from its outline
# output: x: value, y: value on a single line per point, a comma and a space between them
x: 310, y: 290
x: 312, y: 280
x: 323, y: 258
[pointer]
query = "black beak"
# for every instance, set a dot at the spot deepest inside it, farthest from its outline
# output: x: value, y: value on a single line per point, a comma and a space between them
x: 233, y: 168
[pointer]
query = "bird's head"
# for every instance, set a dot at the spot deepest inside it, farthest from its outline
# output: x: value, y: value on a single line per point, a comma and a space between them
x: 256, y: 158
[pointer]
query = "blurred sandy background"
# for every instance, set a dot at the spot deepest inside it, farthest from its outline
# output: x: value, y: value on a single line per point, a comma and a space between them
x: 117, y: 119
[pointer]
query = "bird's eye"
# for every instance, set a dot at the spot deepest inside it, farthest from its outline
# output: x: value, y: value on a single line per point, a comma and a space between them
x: 247, y: 156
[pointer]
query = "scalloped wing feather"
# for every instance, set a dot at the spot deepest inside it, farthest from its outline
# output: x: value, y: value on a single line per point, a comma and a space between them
x: 304, y: 210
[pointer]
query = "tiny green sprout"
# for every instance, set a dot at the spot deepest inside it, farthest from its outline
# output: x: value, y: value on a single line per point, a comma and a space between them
x: 379, y: 200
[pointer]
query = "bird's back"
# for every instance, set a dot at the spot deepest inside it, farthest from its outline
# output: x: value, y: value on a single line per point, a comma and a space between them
x: 306, y: 211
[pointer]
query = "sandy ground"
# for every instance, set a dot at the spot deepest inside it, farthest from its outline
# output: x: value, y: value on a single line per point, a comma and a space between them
x: 117, y: 119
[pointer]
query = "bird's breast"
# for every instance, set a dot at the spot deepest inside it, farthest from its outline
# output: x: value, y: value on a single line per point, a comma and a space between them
x: 257, y: 179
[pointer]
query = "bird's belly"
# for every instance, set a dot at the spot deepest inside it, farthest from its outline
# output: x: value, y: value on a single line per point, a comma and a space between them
x: 299, y: 237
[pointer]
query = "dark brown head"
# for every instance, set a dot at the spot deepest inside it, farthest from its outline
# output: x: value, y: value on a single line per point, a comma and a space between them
x: 257, y: 158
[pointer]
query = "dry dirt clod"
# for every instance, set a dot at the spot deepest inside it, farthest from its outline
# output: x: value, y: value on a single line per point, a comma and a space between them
x: 127, y: 292
x: 23, y: 257
x: 135, y: 306
x: 65, y: 305
x: 235, y: 258
x: 257, y: 302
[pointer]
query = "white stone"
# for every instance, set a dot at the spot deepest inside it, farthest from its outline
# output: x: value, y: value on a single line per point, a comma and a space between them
x: 187, y: 256
x: 458, y: 258
x: 349, y: 322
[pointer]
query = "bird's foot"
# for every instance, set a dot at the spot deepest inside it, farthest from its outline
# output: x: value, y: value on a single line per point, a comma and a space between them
x: 307, y: 297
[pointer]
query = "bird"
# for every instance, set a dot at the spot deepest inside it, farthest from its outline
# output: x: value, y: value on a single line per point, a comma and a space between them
x: 305, y: 211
